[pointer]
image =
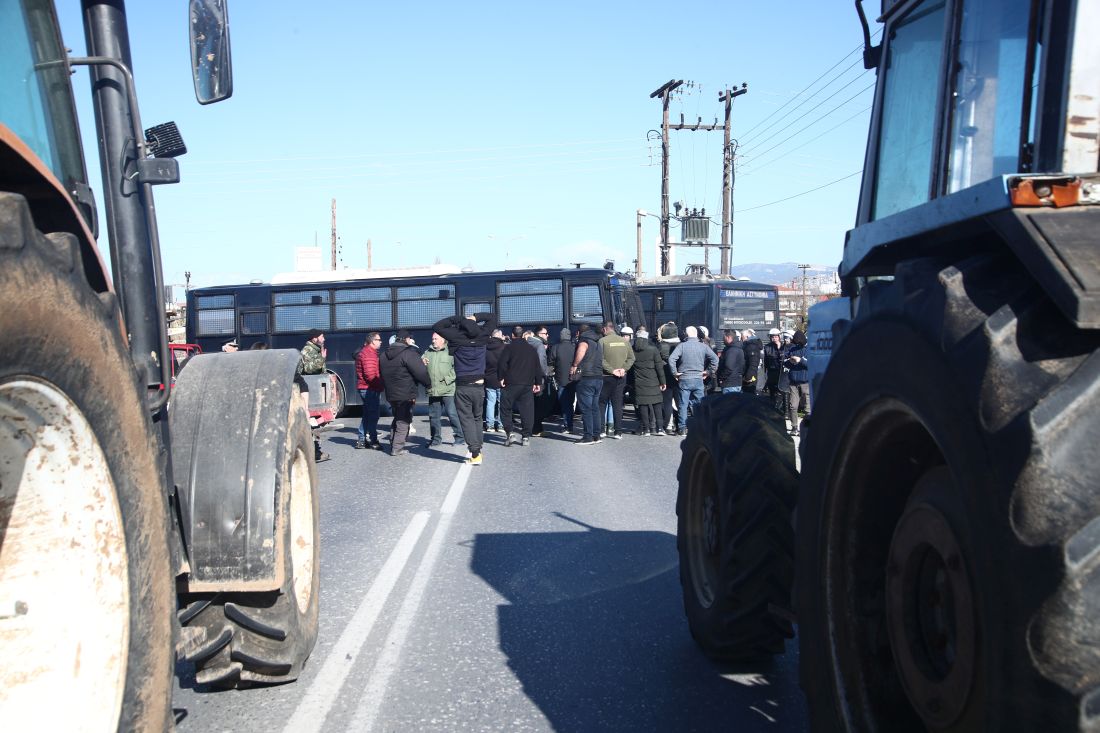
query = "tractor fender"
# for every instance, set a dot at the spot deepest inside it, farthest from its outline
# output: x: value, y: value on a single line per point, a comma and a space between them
x: 228, y: 418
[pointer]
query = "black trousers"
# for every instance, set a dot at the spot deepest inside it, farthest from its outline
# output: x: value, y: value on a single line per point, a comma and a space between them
x: 652, y: 417
x: 613, y: 389
x: 470, y: 403
x: 521, y: 398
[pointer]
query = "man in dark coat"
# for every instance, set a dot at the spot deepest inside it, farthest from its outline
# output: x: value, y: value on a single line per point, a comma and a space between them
x: 521, y: 378
x: 467, y: 338
x: 402, y: 370
x: 731, y: 364
x: 560, y: 358
x: 752, y: 347
x: 493, y: 350
x: 649, y: 384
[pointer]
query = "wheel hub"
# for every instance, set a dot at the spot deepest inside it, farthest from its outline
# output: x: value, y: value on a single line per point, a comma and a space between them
x: 930, y: 614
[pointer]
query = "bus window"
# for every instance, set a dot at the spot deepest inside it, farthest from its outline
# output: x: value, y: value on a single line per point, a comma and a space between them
x: 421, y: 306
x: 477, y: 307
x: 254, y: 323
x: 585, y: 303
x: 364, y: 309
x: 214, y: 315
x: 302, y: 310
x: 692, y: 308
x: 530, y: 302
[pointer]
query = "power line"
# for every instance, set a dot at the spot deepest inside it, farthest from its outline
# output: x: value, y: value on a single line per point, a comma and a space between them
x: 788, y: 198
x: 752, y: 167
x: 811, y: 109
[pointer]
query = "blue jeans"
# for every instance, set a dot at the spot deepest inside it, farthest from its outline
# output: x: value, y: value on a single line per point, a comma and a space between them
x: 728, y: 390
x: 588, y: 400
x: 436, y: 407
x: 369, y: 424
x: 691, y: 394
x: 492, y: 398
x: 566, y: 396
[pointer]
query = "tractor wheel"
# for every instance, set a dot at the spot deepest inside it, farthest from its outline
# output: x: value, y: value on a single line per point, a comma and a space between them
x: 85, y: 584
x: 737, y: 491
x: 949, y: 551
x: 265, y: 638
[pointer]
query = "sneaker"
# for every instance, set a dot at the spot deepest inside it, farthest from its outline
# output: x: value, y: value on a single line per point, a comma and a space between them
x: 436, y: 442
x: 459, y: 441
x: 321, y: 457
x: 375, y: 445
x: 586, y: 440
x: 474, y: 460
x: 511, y: 438
x: 402, y: 452
x: 616, y: 435
x: 661, y: 433
x: 536, y: 435
x: 360, y: 444
x: 526, y: 441
x: 645, y: 433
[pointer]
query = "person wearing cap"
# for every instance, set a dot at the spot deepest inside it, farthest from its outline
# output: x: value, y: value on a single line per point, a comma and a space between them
x: 441, y: 393
x: 731, y: 364
x: 752, y: 347
x: 773, y: 367
x: 313, y: 353
x: 231, y: 347
x: 618, y: 357
x: 560, y: 358
x: 402, y: 370
x: 649, y: 385
x: 689, y: 361
x: 668, y: 338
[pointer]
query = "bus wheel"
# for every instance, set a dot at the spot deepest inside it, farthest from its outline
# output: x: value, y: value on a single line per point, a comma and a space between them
x: 265, y: 638
x: 85, y: 585
x: 737, y: 490
x: 949, y: 558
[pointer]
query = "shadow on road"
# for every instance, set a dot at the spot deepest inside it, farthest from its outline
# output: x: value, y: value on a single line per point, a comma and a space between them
x: 595, y: 632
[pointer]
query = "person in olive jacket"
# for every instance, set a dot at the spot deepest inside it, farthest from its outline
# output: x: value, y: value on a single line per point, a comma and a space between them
x: 649, y: 384
x: 402, y: 370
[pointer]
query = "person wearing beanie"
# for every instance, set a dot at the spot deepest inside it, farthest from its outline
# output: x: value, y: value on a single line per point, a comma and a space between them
x: 560, y: 358
x: 467, y: 339
x: 312, y: 361
x: 402, y: 370
x: 798, y: 388
x: 649, y: 385
x: 668, y: 338
x: 690, y: 362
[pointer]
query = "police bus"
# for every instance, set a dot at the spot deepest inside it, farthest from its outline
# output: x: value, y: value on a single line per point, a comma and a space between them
x: 716, y: 302
x: 282, y: 312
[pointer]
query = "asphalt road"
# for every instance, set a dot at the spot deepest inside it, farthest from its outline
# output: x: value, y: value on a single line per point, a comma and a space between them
x: 539, y: 591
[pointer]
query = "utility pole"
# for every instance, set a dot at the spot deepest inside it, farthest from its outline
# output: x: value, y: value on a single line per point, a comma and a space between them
x: 334, y: 234
x: 805, y: 310
x: 725, y: 96
x: 368, y: 254
x: 728, y: 151
x: 663, y: 92
x: 638, y: 262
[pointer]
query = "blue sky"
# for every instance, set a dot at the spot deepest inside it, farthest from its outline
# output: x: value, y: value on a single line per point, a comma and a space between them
x: 497, y: 134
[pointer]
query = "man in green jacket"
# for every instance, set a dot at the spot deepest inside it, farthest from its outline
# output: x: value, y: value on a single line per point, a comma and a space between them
x: 618, y: 357
x: 441, y: 393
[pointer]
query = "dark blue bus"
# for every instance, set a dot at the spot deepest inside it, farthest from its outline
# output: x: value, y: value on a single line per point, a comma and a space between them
x: 281, y: 313
x: 715, y: 302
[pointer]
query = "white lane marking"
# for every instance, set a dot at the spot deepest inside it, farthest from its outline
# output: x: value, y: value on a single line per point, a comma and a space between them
x: 325, y: 688
x: 370, y: 700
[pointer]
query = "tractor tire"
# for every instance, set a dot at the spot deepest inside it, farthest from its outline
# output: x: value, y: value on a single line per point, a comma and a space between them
x: 265, y: 638
x: 949, y: 520
x: 84, y: 563
x: 737, y: 490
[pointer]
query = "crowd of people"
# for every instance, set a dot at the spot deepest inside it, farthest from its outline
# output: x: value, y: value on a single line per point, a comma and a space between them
x: 484, y: 380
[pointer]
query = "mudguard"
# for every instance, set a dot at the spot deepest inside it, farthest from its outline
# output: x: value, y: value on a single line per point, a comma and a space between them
x: 228, y: 417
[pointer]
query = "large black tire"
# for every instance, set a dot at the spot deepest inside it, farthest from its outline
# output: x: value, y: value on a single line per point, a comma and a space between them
x: 949, y: 540
x: 265, y: 638
x: 57, y: 333
x: 738, y: 485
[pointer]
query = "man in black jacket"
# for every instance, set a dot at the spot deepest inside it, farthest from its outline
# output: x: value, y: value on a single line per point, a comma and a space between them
x: 402, y: 370
x: 560, y: 358
x: 731, y: 365
x: 467, y: 338
x: 521, y: 378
